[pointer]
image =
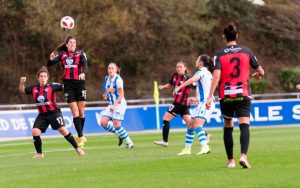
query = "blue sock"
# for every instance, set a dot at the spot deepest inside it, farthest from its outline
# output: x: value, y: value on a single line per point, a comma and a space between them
x: 201, y: 136
x: 121, y: 132
x: 190, y: 134
x: 109, y: 127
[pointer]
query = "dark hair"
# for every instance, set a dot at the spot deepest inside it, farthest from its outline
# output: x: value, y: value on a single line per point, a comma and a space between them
x: 118, y: 68
x: 230, y: 32
x: 207, y: 62
x: 184, y: 64
x: 62, y: 46
x: 43, y: 69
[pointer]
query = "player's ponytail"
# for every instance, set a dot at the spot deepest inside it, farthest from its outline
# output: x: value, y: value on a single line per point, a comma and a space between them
x: 43, y: 69
x: 207, y: 62
x: 230, y: 32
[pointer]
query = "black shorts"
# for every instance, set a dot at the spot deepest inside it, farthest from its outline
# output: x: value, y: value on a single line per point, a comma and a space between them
x: 235, y: 107
x: 74, y: 90
x: 55, y: 119
x: 177, y: 108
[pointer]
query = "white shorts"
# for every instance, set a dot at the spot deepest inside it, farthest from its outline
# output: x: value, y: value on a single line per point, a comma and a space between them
x: 117, y: 114
x: 200, y: 111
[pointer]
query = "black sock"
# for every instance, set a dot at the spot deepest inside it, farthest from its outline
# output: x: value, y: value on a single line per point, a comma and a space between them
x: 228, y: 141
x: 78, y: 127
x: 245, y: 137
x: 69, y: 137
x: 37, y: 144
x: 82, y: 122
x: 165, y: 131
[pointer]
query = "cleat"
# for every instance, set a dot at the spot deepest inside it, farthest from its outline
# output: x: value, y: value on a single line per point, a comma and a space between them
x: 204, y: 150
x: 129, y: 145
x: 38, y: 155
x: 120, y: 141
x: 230, y: 163
x: 209, y: 137
x: 185, y: 151
x: 244, y: 162
x: 161, y: 143
x: 80, y: 141
x: 80, y: 152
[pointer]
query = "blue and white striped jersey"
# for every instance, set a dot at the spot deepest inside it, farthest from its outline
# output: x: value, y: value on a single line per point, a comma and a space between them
x: 204, y: 83
x: 111, y: 87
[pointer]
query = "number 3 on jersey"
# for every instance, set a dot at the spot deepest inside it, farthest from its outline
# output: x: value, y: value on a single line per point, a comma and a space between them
x: 237, y: 71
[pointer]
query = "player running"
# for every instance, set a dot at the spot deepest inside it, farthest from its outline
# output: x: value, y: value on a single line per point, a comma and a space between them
x: 232, y: 72
x: 44, y: 96
x: 199, y: 113
x: 74, y: 63
x: 114, y: 91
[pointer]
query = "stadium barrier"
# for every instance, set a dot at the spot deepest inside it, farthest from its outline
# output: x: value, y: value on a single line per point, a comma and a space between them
x: 18, y: 123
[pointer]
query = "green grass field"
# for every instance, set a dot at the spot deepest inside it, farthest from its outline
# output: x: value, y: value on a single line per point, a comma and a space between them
x: 274, y: 155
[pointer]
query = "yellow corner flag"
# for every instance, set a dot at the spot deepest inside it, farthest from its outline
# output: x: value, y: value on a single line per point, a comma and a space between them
x: 156, y: 99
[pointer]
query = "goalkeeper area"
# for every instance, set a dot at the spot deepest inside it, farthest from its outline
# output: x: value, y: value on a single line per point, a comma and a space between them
x: 274, y: 155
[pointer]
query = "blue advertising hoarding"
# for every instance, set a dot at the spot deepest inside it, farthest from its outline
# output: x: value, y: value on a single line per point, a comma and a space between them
x: 142, y: 117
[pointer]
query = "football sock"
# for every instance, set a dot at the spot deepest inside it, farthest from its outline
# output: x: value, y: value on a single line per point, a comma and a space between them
x: 121, y: 132
x: 77, y: 124
x: 109, y: 127
x: 82, y: 122
x: 228, y: 141
x: 244, y: 137
x: 190, y: 134
x: 37, y: 144
x: 165, y: 130
x: 70, y: 138
x: 201, y: 136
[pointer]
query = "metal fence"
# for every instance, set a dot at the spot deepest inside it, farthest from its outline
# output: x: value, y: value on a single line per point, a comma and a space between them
x: 295, y: 95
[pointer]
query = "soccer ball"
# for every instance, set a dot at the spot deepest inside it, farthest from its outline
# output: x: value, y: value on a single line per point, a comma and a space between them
x: 67, y: 22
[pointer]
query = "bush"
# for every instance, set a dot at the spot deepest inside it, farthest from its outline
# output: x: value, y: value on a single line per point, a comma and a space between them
x: 258, y: 87
x: 289, y: 78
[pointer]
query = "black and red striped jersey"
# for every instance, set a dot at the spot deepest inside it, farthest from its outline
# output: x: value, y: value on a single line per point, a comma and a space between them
x: 45, y: 96
x: 182, y: 95
x: 73, y: 63
x: 234, y: 62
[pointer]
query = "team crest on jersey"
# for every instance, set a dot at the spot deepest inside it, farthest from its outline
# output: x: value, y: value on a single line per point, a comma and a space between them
x: 41, y: 99
x: 69, y: 61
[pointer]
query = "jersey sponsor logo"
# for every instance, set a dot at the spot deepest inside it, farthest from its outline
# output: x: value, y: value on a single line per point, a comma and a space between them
x: 232, y: 49
x: 70, y: 66
x: 69, y: 61
x: 42, y: 104
x: 233, y: 91
x: 41, y: 99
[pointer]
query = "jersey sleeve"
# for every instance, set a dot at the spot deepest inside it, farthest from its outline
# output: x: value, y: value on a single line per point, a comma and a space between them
x: 217, y: 64
x: 253, y: 61
x: 119, y: 83
x: 171, y: 80
x: 28, y: 90
x: 199, y: 74
x: 57, y: 86
x: 83, y: 60
x: 56, y: 59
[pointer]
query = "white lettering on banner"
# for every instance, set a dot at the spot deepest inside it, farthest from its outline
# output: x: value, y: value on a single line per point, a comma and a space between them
x: 68, y: 121
x: 216, y: 114
x: 274, y: 114
x: 31, y: 122
x: 4, y: 125
x: 19, y: 124
x: 98, y: 117
x: 296, y: 112
x: 257, y: 117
